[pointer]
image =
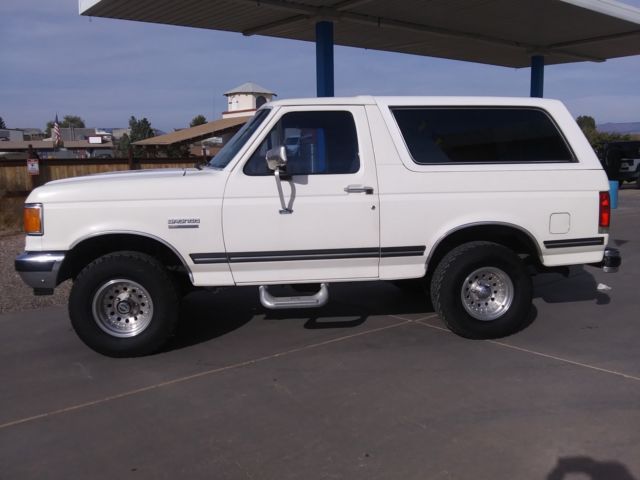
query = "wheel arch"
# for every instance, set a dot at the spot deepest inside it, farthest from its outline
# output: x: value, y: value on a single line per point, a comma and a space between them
x: 509, y: 235
x: 83, y: 251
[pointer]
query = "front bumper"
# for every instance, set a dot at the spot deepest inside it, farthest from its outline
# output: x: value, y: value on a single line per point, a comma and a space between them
x: 39, y: 270
x: 611, y: 261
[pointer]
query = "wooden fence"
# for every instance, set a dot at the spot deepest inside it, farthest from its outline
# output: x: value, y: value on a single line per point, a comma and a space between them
x: 15, y: 181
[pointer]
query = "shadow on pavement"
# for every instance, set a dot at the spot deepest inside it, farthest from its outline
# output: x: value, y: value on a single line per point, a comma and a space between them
x: 581, y: 286
x: 568, y: 467
x: 207, y: 315
x: 350, y: 304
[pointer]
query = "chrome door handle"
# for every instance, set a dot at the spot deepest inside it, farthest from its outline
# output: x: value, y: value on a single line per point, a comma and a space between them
x: 359, y: 189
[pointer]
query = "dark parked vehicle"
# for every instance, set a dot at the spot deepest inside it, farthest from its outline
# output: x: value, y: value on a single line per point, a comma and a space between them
x: 621, y: 161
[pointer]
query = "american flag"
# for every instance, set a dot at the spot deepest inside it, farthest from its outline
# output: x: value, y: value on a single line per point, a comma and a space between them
x: 57, y: 138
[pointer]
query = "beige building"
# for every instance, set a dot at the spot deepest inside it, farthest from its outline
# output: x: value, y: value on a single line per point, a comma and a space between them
x: 245, y: 99
x: 208, y: 139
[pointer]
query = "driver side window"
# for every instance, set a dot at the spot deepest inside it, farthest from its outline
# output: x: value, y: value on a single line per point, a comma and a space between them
x: 317, y: 143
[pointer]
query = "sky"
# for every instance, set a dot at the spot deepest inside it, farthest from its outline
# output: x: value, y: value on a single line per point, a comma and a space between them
x: 52, y: 60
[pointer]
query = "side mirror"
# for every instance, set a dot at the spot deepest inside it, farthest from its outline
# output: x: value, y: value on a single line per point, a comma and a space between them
x: 276, y: 158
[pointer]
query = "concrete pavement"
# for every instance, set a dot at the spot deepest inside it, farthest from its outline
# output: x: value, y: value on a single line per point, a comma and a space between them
x: 370, y: 387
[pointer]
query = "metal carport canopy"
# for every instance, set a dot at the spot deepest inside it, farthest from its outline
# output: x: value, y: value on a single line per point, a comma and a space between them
x: 510, y: 33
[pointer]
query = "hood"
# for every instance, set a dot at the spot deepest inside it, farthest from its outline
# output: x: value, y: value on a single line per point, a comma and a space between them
x: 124, y: 174
x: 155, y: 184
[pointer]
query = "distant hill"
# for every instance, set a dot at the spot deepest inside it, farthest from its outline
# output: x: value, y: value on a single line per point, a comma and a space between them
x: 621, y: 128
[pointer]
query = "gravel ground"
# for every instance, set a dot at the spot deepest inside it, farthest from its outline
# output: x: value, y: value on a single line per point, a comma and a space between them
x: 14, y: 294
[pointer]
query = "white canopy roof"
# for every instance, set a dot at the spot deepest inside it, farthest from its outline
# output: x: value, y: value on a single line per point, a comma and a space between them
x: 498, y: 32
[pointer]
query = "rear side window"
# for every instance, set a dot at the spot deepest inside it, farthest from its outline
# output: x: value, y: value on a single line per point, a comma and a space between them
x: 317, y: 143
x: 481, y: 135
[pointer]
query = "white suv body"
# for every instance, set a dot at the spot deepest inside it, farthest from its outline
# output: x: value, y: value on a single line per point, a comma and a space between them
x: 379, y: 188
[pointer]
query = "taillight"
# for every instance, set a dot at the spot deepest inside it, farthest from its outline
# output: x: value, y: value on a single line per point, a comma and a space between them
x: 33, y: 219
x: 604, y: 216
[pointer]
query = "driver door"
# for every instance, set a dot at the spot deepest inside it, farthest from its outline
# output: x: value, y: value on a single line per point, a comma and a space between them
x: 330, y: 228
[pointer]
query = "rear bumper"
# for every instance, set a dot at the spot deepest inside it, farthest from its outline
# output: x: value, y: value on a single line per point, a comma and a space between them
x: 39, y: 270
x: 611, y: 261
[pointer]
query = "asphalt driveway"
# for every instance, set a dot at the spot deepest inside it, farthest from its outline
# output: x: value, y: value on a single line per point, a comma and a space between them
x: 370, y: 387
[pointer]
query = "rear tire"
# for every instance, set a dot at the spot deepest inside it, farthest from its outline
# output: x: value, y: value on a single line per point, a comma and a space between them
x: 482, y: 290
x: 124, y: 304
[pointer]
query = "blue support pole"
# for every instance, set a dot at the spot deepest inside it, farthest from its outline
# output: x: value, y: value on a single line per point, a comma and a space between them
x: 537, y: 76
x: 324, y: 59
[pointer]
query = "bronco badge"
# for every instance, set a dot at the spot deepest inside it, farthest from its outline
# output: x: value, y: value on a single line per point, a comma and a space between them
x: 183, y: 223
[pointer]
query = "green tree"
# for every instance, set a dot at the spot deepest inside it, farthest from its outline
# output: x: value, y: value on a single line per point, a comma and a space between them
x: 595, y: 137
x: 198, y: 120
x: 67, y: 121
x: 139, y: 130
x: 122, y: 148
x: 586, y: 122
x: 2, y: 124
x: 176, y: 151
x: 605, y: 137
x: 73, y: 121
x: 588, y: 126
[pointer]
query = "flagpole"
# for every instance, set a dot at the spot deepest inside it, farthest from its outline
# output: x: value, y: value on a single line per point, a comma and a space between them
x: 57, y: 138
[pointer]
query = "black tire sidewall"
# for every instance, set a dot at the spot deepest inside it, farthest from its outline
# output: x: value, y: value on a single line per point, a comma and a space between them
x: 471, y: 258
x: 142, y: 269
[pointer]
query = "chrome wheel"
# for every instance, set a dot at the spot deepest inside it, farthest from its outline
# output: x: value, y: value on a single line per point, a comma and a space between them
x: 122, y: 308
x: 487, y: 293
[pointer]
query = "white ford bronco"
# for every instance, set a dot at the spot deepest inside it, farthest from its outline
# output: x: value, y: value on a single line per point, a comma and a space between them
x: 466, y: 193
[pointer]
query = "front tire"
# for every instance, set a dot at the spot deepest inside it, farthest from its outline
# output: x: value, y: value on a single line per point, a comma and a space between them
x: 124, y: 304
x: 482, y: 290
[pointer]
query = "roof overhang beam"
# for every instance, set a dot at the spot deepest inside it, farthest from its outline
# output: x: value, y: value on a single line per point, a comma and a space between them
x: 335, y: 14
x: 339, y: 13
x: 588, y: 41
x: 304, y: 13
x: 566, y: 53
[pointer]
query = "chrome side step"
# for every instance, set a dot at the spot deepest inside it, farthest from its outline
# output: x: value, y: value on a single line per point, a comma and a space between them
x: 316, y: 300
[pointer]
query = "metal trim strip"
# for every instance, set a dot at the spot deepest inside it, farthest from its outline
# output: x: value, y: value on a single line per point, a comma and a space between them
x: 298, y: 255
x: 574, y: 242
x: 38, y: 261
x: 387, y: 252
x: 200, y: 258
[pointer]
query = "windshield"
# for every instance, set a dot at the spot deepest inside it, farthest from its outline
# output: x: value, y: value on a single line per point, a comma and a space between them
x: 232, y: 147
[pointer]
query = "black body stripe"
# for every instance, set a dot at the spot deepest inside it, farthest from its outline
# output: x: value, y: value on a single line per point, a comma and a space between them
x: 574, y: 242
x: 386, y: 252
x: 199, y: 258
x: 292, y: 255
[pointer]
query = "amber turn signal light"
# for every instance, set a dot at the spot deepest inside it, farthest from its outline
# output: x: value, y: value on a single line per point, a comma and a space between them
x: 33, y: 219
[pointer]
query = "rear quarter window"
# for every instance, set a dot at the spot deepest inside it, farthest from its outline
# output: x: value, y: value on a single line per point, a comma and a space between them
x: 453, y: 135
